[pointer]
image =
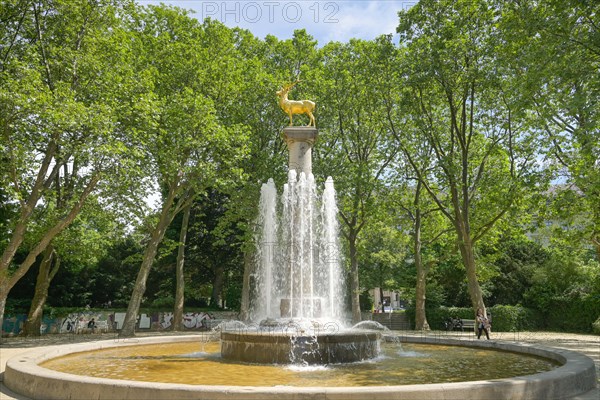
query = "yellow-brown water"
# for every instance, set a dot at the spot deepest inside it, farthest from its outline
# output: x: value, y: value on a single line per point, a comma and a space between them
x: 200, y: 364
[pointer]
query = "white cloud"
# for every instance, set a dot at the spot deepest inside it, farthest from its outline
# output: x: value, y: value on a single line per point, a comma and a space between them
x: 325, y: 20
x: 364, y: 20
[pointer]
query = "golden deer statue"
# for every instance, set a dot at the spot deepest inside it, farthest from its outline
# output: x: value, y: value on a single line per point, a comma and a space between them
x: 291, y: 107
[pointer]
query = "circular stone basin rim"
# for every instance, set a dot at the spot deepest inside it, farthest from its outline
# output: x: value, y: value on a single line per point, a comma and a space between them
x: 24, y: 376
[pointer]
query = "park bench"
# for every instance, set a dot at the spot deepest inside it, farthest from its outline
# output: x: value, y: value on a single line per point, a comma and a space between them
x: 102, y: 326
x: 81, y: 327
x: 471, y: 323
x: 468, y: 323
x: 459, y: 324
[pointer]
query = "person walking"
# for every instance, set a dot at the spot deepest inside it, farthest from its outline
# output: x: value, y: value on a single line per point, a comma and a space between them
x: 483, y: 324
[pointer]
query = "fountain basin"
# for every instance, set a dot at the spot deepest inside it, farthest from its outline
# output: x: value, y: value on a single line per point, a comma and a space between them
x: 286, y: 348
x: 23, y: 375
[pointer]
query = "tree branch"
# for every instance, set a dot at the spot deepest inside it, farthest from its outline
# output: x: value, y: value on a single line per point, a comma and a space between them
x: 42, y: 48
x: 54, y: 231
x: 486, y: 227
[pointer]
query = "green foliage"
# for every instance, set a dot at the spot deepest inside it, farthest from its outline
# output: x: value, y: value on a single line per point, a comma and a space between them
x: 449, y: 274
x: 109, y: 279
x: 514, y: 318
x: 557, y: 43
x: 166, y: 303
x: 233, y: 296
x: 380, y: 252
x: 596, y: 327
x: 564, y: 281
x: 504, y: 318
x: 573, y: 315
x: 515, y: 260
x: 366, y: 301
x: 17, y: 306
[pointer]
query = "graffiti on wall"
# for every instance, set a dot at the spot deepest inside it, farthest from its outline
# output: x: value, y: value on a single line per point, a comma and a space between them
x: 77, y: 322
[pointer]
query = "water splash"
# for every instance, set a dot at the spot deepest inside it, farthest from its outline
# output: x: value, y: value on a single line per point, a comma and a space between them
x: 299, y: 271
x: 230, y: 325
x: 371, y: 325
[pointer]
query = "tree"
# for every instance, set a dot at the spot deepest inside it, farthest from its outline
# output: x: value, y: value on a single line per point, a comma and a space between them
x: 410, y: 197
x: 484, y: 151
x: 557, y: 60
x: 108, y: 281
x: 61, y: 71
x: 382, y: 249
x: 189, y: 147
x: 426, y: 227
x: 516, y: 259
x: 48, y: 268
x: 357, y: 152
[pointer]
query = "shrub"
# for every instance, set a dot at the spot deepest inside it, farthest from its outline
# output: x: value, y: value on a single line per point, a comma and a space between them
x: 596, y: 326
x: 438, y: 315
x: 514, y: 318
x: 573, y: 315
x: 504, y: 318
x: 163, y: 302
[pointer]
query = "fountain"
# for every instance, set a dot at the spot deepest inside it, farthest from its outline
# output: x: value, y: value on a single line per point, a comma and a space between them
x: 298, y: 299
x: 298, y: 285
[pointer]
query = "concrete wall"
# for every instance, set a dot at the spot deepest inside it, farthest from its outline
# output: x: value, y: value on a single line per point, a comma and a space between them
x: 151, y: 322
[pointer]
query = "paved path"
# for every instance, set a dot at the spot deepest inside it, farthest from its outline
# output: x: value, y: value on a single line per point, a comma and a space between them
x: 586, y: 344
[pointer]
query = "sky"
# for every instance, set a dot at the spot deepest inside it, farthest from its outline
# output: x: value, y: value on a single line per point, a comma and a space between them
x: 326, y: 21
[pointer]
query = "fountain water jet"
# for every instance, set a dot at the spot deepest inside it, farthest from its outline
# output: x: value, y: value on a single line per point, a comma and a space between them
x: 298, y: 285
x: 298, y: 265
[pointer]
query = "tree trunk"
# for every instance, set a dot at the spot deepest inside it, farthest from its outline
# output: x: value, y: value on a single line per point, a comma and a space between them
x: 179, y: 291
x: 3, y: 296
x: 216, y: 297
x: 354, y: 285
x: 166, y: 216
x: 468, y: 255
x: 465, y: 242
x: 595, y: 237
x: 420, y: 315
x: 46, y: 273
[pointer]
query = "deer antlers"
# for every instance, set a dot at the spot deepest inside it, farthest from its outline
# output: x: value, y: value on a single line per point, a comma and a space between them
x: 291, y: 85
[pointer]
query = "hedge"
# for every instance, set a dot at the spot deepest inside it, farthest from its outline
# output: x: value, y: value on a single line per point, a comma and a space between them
x: 573, y: 315
x: 504, y: 318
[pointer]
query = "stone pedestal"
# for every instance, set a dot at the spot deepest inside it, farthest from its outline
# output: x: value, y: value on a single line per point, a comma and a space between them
x: 268, y: 347
x: 300, y: 140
